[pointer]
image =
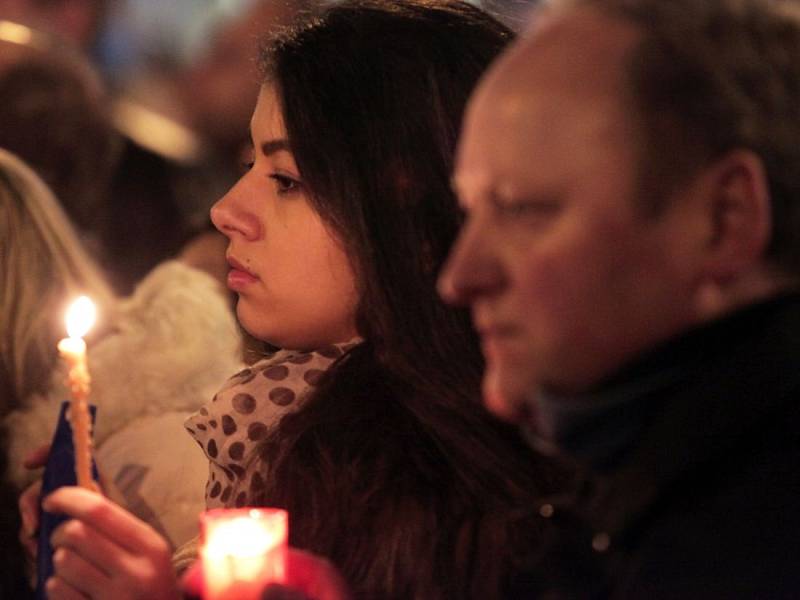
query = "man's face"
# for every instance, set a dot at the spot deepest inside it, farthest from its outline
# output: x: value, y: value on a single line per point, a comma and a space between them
x: 566, y: 277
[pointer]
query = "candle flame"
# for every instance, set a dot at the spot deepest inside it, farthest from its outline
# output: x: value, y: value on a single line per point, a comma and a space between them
x: 242, y: 550
x: 244, y: 536
x: 80, y: 317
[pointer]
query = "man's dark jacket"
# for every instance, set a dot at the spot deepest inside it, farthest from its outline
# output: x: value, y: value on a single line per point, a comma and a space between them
x: 701, y: 499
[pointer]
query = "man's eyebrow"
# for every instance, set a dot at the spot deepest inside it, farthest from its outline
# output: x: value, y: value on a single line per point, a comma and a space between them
x: 457, y: 187
x: 273, y: 146
x: 466, y: 192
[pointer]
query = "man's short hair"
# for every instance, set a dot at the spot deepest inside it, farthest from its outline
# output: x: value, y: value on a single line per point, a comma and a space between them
x: 710, y: 76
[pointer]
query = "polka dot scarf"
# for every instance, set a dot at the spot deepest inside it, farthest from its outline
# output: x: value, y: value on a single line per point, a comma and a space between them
x: 245, y: 410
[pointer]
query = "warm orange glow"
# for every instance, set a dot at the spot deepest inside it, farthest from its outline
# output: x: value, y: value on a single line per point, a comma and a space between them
x: 81, y: 315
x: 72, y: 348
x: 242, y: 551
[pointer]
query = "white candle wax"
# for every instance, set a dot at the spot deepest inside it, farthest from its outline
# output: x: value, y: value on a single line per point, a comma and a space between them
x: 79, y: 320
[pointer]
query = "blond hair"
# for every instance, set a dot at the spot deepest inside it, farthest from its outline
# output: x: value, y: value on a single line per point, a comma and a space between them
x: 42, y: 266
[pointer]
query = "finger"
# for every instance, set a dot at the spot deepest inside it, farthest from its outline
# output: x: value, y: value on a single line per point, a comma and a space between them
x: 37, y: 458
x: 28, y: 503
x: 79, y: 574
x: 148, y: 570
x: 192, y: 580
x: 92, y: 546
x: 108, y: 518
x: 315, y: 576
x: 58, y: 589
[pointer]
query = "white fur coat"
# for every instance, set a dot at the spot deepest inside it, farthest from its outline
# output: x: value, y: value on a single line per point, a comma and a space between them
x: 175, y: 344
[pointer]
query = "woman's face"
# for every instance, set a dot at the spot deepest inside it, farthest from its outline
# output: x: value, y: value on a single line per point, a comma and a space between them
x: 295, y: 284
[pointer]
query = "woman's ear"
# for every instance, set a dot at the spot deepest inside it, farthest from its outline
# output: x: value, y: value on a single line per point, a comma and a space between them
x: 739, y: 214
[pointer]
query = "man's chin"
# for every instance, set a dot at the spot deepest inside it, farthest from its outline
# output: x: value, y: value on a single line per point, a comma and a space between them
x: 506, y: 397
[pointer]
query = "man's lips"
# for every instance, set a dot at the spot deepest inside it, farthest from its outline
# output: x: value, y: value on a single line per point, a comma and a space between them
x: 486, y: 329
x: 495, y: 339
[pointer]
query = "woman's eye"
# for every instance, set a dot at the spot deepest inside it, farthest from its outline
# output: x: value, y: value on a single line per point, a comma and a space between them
x: 247, y: 165
x: 284, y: 184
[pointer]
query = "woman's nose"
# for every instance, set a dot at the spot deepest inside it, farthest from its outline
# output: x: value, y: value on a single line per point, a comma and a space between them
x: 231, y: 217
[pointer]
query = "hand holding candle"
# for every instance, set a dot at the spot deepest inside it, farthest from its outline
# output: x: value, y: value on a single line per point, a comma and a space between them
x: 80, y: 318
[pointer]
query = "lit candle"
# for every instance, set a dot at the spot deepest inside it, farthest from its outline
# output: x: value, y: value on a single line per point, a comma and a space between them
x: 80, y: 318
x: 242, y: 551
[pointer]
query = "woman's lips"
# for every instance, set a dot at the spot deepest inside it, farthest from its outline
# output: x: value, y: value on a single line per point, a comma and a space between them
x: 238, y: 280
x: 239, y: 277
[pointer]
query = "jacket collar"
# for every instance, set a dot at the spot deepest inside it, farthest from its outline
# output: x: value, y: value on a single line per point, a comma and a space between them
x: 722, y: 384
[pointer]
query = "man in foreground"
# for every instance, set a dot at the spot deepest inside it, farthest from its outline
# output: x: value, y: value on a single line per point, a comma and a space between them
x: 630, y: 172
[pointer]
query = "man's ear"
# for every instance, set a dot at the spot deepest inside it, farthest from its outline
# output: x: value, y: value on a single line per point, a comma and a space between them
x: 739, y: 214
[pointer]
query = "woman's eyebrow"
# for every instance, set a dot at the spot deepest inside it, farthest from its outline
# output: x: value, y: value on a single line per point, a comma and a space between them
x: 273, y: 146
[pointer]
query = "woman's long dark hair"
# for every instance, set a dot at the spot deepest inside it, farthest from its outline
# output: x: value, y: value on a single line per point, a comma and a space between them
x: 393, y: 469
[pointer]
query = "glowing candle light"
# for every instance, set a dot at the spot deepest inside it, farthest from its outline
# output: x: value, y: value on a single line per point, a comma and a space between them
x: 80, y: 318
x: 242, y: 551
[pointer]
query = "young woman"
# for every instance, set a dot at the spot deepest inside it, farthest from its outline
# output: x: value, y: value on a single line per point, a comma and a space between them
x: 367, y: 424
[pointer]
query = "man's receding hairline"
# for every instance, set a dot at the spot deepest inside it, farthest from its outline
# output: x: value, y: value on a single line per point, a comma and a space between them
x: 509, y: 73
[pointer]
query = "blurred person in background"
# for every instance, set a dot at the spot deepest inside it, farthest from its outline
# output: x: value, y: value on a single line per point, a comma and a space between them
x: 54, y: 114
x: 125, y: 200
x: 211, y: 93
x: 142, y: 383
x: 78, y: 22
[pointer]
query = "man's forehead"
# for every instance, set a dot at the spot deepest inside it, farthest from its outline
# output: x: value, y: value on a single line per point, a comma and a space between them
x: 562, y: 82
x: 578, y: 47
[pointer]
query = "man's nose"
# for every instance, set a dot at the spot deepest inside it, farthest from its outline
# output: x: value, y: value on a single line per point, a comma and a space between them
x: 472, y: 269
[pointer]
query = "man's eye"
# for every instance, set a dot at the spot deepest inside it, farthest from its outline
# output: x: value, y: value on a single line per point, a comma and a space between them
x: 247, y: 165
x: 512, y: 209
x: 525, y: 208
x: 284, y: 184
